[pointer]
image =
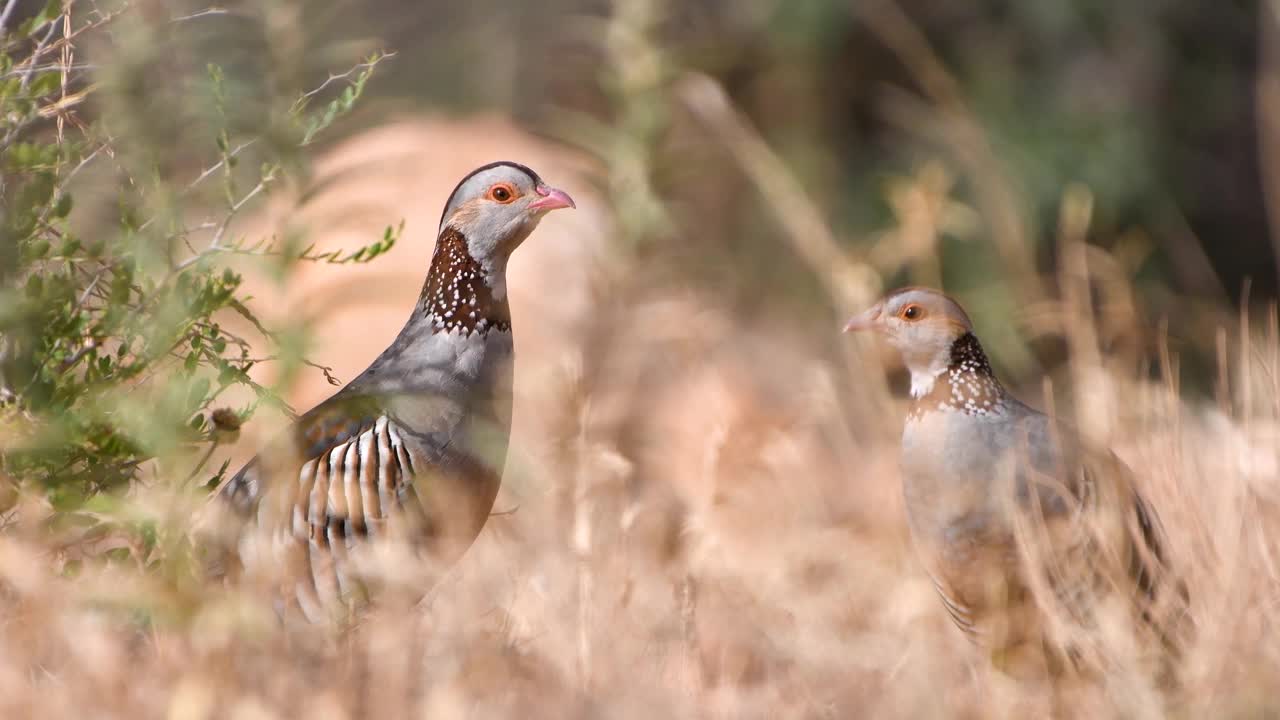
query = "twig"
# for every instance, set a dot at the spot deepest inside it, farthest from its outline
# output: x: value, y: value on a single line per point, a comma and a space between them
x: 220, y: 231
x: 235, y: 209
x: 205, y: 174
x: 67, y: 59
x: 51, y: 66
x: 9, y: 7
x: 208, y: 453
x: 39, y: 50
x: 80, y: 353
x: 335, y: 77
x: 203, y: 13
x: 18, y: 127
x: 218, y: 165
x: 92, y: 284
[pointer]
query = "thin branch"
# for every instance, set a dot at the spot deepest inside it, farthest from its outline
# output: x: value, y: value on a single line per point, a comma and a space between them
x: 9, y: 7
x: 68, y: 59
x: 204, y: 175
x: 51, y: 66
x: 218, y: 165
x: 83, y: 161
x: 215, y: 245
x: 335, y: 77
x: 235, y: 209
x: 203, y: 13
x: 208, y: 453
x: 39, y: 50
x: 35, y: 54
x: 89, y: 290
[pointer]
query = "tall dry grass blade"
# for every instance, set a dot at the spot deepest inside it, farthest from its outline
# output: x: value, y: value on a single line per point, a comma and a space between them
x: 1222, y: 384
x: 1273, y: 361
x: 1246, y: 361
x: 1094, y: 407
x: 582, y: 552
x: 851, y: 285
x: 691, y: 647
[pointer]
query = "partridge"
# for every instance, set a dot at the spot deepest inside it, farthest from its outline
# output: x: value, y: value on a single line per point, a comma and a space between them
x: 1012, y: 515
x: 413, y: 448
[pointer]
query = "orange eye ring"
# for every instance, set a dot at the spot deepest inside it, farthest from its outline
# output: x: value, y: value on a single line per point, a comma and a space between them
x: 501, y: 193
x: 912, y: 313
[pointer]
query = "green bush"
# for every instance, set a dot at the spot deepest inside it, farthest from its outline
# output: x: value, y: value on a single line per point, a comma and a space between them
x: 113, y: 358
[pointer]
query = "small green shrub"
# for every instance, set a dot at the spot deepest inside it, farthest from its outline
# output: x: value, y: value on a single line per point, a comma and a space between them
x: 112, y: 353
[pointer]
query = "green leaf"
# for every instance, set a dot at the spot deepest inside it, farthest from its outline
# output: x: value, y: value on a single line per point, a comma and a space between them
x: 45, y: 84
x: 37, y: 250
x: 37, y: 191
x: 63, y: 208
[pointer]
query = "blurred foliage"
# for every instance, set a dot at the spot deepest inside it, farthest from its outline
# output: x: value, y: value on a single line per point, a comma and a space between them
x: 1150, y: 106
x: 766, y: 163
x: 935, y: 142
x: 112, y: 352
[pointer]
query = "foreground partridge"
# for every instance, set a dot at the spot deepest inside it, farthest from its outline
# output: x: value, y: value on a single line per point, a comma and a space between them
x: 413, y: 448
x: 1017, y: 522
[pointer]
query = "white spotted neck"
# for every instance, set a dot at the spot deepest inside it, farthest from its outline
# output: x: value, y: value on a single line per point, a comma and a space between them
x: 460, y: 294
x: 964, y: 383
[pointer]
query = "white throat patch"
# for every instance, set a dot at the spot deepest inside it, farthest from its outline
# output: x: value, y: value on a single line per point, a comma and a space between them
x: 922, y: 382
x: 922, y: 379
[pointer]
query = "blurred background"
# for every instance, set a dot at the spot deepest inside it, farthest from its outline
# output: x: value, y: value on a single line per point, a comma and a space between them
x: 934, y: 142
x: 701, y: 513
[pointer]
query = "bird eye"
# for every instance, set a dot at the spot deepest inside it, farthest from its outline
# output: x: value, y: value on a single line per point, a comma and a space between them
x: 502, y: 193
x: 912, y: 312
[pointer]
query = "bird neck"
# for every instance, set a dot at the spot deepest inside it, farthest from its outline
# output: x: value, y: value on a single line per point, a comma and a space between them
x: 963, y: 380
x: 459, y: 293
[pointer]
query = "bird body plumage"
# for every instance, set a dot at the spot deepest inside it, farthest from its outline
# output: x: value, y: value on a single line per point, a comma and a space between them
x: 1011, y: 513
x: 413, y: 448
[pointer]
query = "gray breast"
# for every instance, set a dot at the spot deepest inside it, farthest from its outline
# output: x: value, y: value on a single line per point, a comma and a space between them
x: 954, y: 466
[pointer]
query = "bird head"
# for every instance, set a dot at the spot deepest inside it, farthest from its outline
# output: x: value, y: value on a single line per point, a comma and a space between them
x: 923, y: 324
x: 496, y: 207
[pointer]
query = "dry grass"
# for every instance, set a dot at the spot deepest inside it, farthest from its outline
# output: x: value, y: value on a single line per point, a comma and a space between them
x: 701, y: 514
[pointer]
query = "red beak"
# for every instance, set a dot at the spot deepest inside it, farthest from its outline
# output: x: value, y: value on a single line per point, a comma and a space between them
x: 551, y: 199
x: 868, y: 320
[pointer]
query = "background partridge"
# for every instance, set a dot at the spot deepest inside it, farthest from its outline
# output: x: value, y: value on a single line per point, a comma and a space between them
x: 413, y: 448
x: 1012, y: 515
